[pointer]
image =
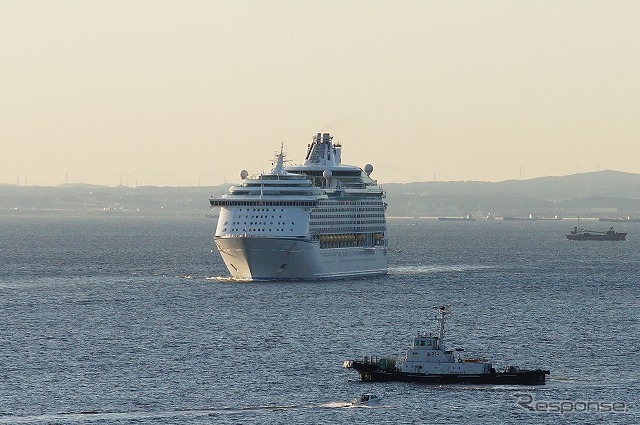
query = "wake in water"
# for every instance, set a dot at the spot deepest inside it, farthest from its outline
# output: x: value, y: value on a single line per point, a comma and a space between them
x: 343, y: 405
x: 437, y: 269
x: 226, y: 279
x: 399, y: 270
x: 96, y: 416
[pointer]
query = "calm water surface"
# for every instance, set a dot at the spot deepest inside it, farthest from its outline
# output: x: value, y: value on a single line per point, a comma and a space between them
x: 132, y: 321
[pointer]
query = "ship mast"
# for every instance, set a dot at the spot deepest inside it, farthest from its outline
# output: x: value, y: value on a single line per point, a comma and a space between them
x: 442, y: 311
x: 279, y: 167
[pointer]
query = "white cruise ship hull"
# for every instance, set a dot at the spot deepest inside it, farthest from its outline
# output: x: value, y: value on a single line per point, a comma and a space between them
x: 272, y: 258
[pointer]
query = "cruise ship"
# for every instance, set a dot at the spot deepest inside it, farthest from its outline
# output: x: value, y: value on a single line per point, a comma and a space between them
x: 320, y: 219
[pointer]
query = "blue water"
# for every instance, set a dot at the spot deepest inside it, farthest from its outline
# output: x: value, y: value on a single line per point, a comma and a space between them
x: 132, y: 320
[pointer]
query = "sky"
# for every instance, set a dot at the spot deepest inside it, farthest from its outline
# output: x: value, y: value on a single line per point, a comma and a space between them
x: 178, y: 93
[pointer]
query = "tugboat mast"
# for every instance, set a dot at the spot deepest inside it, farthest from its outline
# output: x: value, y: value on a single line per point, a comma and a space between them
x: 442, y: 311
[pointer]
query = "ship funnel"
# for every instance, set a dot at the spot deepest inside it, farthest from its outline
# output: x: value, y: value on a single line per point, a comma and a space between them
x: 321, y: 150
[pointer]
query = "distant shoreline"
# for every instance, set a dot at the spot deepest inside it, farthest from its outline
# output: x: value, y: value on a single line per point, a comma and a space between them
x: 593, y: 195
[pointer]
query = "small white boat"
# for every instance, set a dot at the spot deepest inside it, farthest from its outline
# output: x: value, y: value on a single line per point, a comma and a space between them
x: 366, y: 400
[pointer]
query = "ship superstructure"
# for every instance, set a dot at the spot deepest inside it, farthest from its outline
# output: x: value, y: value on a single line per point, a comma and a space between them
x: 315, y: 220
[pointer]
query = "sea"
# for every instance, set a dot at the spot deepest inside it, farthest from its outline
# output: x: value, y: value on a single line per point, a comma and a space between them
x: 134, y: 320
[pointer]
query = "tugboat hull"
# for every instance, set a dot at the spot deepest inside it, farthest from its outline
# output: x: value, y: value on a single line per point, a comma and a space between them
x: 597, y: 237
x: 373, y: 373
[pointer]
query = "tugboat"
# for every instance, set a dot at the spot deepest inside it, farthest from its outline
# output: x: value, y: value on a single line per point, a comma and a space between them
x: 428, y: 361
x: 593, y: 235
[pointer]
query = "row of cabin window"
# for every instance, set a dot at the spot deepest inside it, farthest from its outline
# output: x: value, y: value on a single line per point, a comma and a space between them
x: 325, y: 216
x: 252, y: 223
x: 353, y: 209
x: 230, y: 203
x: 322, y: 203
x: 257, y: 216
x: 252, y: 230
x: 362, y: 222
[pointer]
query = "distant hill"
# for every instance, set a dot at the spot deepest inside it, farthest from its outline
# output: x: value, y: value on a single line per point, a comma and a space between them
x: 587, y: 194
x: 91, y: 199
x: 603, y: 193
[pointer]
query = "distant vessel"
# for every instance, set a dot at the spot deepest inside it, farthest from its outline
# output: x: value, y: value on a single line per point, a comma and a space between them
x: 593, y: 235
x: 530, y: 218
x: 320, y: 219
x: 620, y: 220
x: 428, y: 361
x: 467, y: 217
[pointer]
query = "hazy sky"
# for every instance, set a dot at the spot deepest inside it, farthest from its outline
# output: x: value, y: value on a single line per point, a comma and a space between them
x: 191, y: 92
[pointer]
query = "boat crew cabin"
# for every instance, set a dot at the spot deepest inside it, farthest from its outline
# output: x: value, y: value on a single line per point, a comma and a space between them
x: 425, y: 341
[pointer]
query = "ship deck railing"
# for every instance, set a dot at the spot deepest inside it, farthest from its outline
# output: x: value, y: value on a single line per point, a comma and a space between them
x: 385, y: 363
